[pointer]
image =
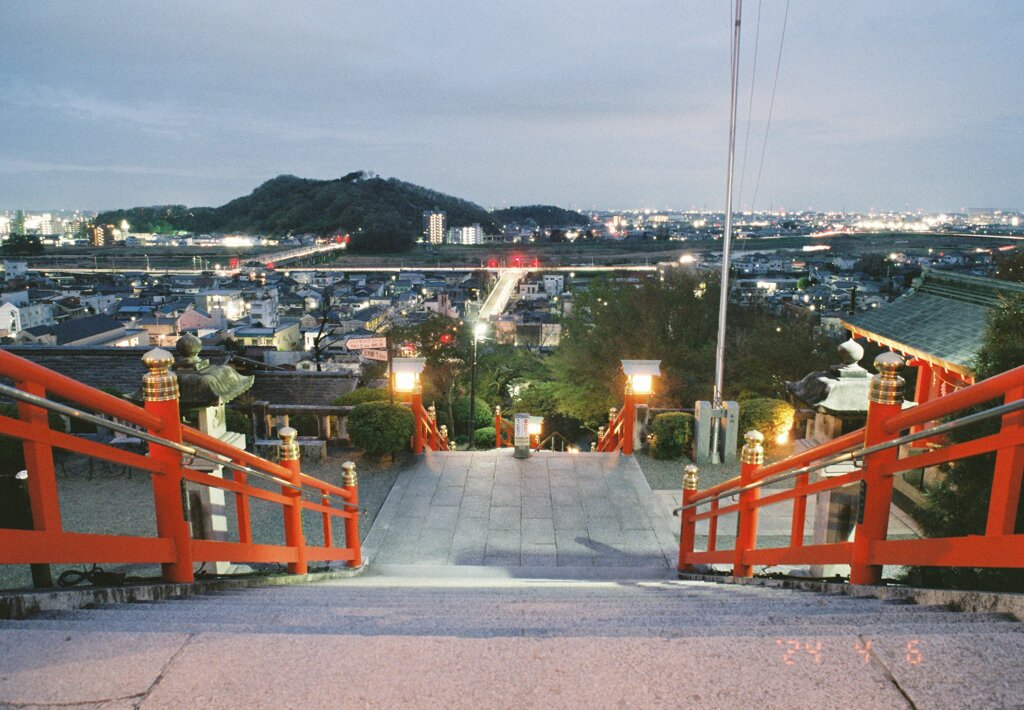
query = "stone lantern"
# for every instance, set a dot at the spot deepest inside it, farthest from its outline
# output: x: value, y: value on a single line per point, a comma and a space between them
x: 839, y: 398
x: 205, y: 389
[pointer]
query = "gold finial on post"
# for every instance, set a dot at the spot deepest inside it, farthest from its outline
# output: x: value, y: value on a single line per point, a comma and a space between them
x: 753, y: 450
x: 887, y: 386
x: 690, y: 478
x: 612, y: 413
x: 159, y: 384
x: 349, y: 476
x: 288, y: 448
x: 432, y: 413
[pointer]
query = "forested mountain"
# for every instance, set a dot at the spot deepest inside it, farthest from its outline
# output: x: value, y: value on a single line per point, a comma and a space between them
x: 541, y: 215
x: 380, y: 214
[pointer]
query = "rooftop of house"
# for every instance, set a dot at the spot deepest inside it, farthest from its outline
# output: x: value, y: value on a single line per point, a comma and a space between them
x: 942, y: 320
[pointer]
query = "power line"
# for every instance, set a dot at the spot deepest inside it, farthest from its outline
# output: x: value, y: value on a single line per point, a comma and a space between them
x: 771, y: 106
x: 750, y: 105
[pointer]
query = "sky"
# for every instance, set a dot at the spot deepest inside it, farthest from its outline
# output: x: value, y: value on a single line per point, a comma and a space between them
x: 581, y: 103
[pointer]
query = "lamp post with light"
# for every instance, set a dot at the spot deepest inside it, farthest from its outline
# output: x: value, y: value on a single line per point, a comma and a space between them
x: 640, y: 376
x: 535, y: 427
x: 479, y: 331
x: 405, y: 376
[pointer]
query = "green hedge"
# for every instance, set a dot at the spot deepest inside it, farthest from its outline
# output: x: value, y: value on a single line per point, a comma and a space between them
x: 483, y: 415
x: 483, y: 438
x: 361, y: 395
x: 673, y: 435
x: 380, y: 428
x: 771, y: 417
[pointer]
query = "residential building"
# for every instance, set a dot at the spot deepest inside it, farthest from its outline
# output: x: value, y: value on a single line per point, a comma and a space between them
x: 473, y: 234
x: 433, y: 226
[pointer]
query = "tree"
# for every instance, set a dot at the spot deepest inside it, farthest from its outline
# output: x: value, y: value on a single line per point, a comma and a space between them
x: 22, y: 245
x: 675, y: 321
x: 322, y: 341
x: 958, y: 505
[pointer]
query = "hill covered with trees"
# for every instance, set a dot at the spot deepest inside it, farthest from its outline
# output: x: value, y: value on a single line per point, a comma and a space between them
x: 382, y: 215
x: 541, y: 215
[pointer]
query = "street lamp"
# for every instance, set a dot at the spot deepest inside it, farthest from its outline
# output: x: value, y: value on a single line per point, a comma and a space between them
x: 640, y: 376
x: 534, y: 429
x: 405, y: 374
x: 479, y: 331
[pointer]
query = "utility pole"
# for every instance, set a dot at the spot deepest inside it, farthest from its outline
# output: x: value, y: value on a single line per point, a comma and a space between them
x: 723, y: 299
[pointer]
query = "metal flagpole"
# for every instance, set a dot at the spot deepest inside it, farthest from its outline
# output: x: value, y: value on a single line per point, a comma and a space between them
x: 723, y: 299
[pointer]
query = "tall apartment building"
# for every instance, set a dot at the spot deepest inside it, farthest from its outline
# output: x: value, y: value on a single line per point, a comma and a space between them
x: 101, y: 235
x: 433, y: 226
x: 474, y: 234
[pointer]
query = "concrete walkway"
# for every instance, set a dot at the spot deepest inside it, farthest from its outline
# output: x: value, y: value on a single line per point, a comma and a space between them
x: 551, y: 510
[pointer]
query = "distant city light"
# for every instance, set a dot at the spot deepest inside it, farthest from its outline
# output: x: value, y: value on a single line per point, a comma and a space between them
x: 687, y: 259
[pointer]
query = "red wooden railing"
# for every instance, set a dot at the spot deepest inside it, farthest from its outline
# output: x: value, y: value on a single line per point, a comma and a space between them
x: 504, y: 431
x: 159, y: 423
x: 881, y: 453
x: 426, y: 432
x: 618, y: 436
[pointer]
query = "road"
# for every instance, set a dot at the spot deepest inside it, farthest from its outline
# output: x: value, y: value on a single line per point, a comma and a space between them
x: 500, y: 294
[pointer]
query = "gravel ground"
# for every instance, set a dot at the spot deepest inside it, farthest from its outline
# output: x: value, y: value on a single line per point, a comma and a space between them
x: 668, y: 475
x: 111, y: 500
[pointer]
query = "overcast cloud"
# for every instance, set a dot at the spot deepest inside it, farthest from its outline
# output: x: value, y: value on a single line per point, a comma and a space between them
x: 585, y: 104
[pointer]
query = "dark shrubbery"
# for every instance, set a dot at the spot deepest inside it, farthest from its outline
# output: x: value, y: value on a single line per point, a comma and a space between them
x: 380, y: 428
x: 483, y: 438
x: 771, y: 417
x: 673, y: 435
x: 361, y: 395
x: 483, y: 415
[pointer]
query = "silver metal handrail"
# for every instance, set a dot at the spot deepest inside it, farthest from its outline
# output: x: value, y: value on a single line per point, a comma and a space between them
x: 861, y: 453
x: 193, y: 451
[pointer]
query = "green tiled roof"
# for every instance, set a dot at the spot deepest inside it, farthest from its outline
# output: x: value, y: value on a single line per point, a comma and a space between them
x: 942, y: 320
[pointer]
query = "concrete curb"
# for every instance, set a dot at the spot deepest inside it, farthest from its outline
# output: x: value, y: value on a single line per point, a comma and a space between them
x: 955, y: 599
x: 18, y: 605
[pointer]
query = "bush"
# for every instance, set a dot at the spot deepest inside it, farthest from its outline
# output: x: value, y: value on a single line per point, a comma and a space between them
x: 483, y: 438
x: 306, y: 424
x: 483, y: 415
x: 380, y: 428
x: 771, y: 417
x: 361, y: 395
x: 238, y: 421
x: 673, y: 435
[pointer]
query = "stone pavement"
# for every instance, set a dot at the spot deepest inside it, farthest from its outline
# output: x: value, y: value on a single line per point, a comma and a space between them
x: 553, y: 509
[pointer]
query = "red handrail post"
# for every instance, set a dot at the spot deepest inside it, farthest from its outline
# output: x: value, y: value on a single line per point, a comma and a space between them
x: 160, y: 392
x: 885, y: 400
x: 497, y: 427
x: 432, y: 438
x: 293, y: 535
x: 416, y: 401
x: 628, y: 422
x: 687, y: 524
x: 42, y: 478
x: 751, y: 458
x: 1006, y: 480
x: 350, y: 481
x: 242, y: 508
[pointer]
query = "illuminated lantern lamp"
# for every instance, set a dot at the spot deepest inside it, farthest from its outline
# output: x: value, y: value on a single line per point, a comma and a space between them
x: 406, y: 373
x: 640, y: 376
x: 534, y: 428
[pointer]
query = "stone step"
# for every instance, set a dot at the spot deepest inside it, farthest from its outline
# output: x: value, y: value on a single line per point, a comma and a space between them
x: 732, y: 628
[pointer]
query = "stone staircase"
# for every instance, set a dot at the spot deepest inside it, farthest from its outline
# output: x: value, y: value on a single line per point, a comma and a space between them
x: 412, y: 635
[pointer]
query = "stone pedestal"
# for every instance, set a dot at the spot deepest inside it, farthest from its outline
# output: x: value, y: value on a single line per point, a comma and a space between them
x: 704, y: 417
x: 207, y: 504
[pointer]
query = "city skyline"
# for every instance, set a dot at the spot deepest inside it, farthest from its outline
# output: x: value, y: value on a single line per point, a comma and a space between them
x: 581, y: 105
